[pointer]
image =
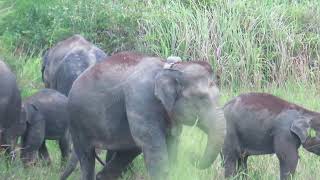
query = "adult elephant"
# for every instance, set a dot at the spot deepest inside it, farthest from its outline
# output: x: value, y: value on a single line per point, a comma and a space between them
x: 134, y: 103
x: 64, y: 62
x: 10, y: 107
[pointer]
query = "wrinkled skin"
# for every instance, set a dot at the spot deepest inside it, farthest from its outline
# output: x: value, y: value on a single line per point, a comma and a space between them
x: 10, y: 107
x: 259, y: 123
x: 134, y: 103
x: 63, y: 63
x: 46, y: 117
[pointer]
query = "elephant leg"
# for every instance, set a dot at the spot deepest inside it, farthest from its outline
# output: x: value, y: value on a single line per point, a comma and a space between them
x: 44, y: 154
x: 87, y: 163
x: 117, y: 165
x: 70, y: 167
x: 27, y: 156
x: 230, y: 155
x: 230, y: 166
x: 64, y: 144
x: 154, y: 149
x: 31, y: 142
x: 156, y: 159
x: 148, y: 129
x: 86, y: 155
x: 287, y: 166
x: 287, y: 154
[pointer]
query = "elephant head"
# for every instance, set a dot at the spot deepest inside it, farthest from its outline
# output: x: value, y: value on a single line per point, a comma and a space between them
x: 188, y: 93
x: 74, y: 53
x: 308, y: 130
x: 28, y: 111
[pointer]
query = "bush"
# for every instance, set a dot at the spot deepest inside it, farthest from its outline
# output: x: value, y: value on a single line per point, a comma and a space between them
x: 33, y: 25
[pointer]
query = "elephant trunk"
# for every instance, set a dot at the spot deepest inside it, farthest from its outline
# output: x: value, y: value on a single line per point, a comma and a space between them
x: 216, y: 131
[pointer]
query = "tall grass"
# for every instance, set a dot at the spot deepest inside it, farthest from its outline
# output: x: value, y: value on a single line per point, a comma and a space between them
x: 248, y: 42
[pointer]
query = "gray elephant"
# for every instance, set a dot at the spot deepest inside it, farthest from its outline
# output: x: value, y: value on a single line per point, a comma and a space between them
x: 260, y: 123
x: 46, y: 117
x: 133, y: 103
x: 10, y: 107
x: 64, y: 62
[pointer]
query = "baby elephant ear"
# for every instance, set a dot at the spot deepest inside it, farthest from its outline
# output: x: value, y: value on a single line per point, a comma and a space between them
x: 300, y: 128
x: 30, y: 111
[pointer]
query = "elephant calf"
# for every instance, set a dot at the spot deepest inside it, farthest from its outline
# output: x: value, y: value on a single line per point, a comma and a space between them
x: 259, y: 123
x: 46, y: 117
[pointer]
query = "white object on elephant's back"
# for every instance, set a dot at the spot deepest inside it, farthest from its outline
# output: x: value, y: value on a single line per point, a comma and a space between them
x: 171, y: 60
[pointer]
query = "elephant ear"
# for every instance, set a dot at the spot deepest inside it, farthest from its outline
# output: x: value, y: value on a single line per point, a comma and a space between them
x: 166, y: 90
x: 30, y: 110
x: 300, y: 128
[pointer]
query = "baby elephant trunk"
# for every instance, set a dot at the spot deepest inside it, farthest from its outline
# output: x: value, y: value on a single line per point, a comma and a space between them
x: 216, y: 132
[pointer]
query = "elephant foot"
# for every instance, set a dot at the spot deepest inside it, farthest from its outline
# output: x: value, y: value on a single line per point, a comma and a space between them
x: 28, y: 159
x: 29, y: 163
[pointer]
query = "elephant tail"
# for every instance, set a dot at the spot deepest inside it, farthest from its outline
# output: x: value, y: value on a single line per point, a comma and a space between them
x: 98, y: 158
x: 71, y: 165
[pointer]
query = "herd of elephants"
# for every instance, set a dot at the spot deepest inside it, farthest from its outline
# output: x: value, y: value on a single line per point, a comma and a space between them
x: 130, y: 103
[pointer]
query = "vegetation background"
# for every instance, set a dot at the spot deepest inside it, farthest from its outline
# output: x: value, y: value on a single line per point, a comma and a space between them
x: 267, y: 46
